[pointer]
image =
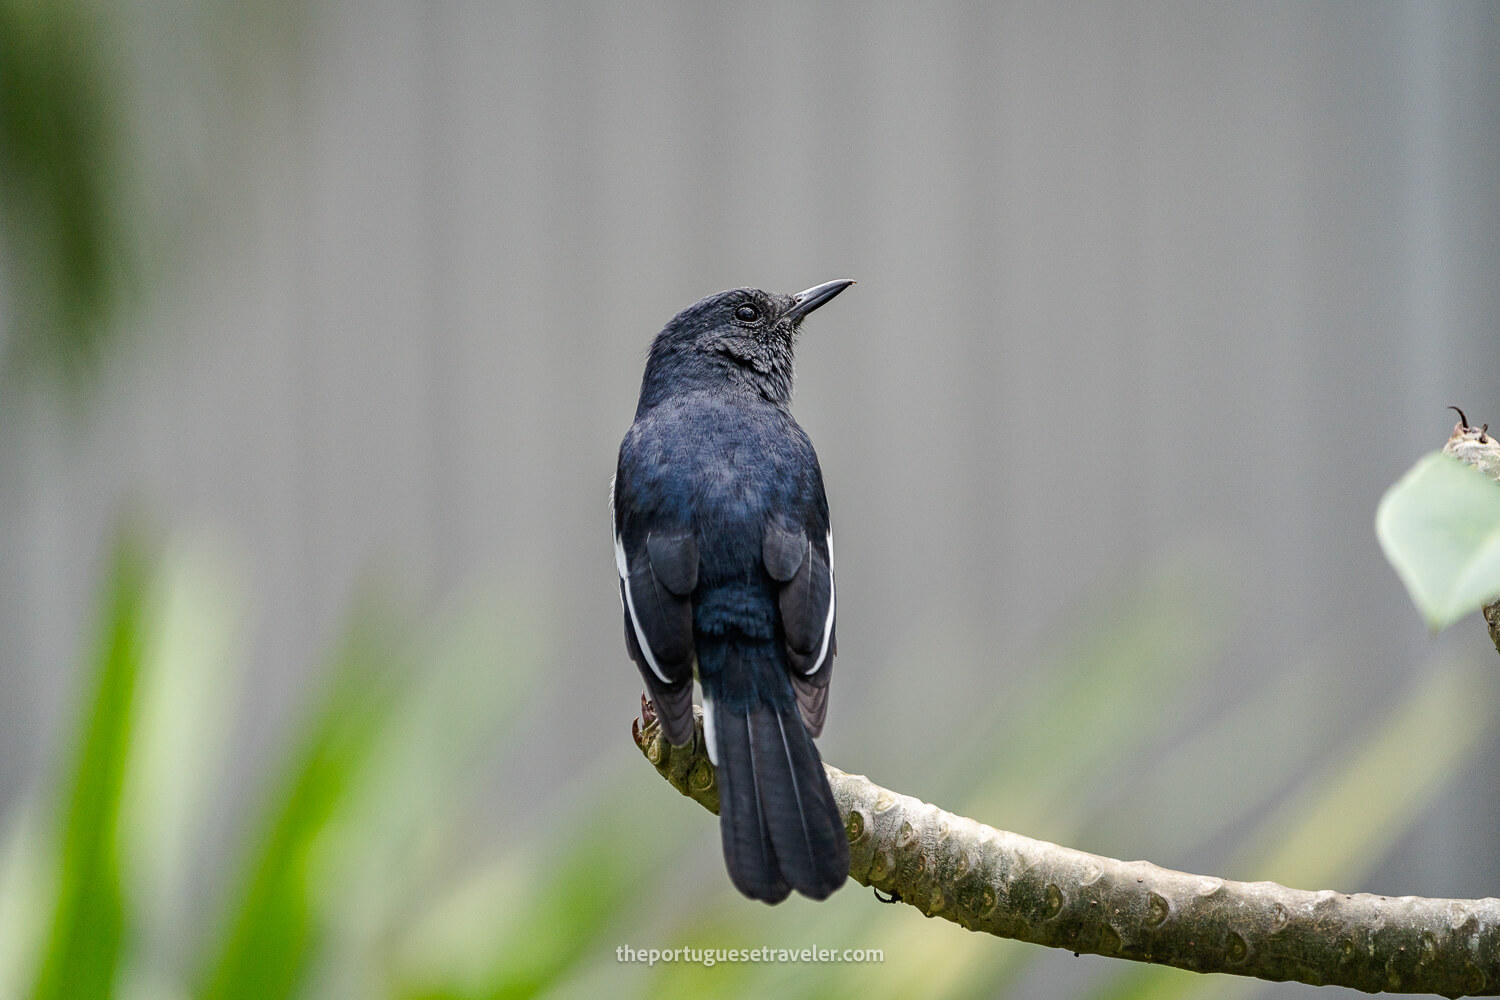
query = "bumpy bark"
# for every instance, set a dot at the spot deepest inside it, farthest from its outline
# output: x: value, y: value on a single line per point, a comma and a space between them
x: 1012, y: 886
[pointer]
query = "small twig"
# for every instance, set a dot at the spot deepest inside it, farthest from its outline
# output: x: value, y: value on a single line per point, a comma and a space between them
x: 1473, y: 446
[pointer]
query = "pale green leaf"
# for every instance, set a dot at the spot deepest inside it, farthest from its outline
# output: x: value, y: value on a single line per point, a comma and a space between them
x: 1440, y: 528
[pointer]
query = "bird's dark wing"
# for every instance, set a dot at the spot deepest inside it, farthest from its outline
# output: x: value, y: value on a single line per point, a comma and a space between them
x: 658, y: 571
x: 803, y: 566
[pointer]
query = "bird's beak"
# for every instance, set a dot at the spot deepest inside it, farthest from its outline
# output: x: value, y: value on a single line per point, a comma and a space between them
x: 805, y: 302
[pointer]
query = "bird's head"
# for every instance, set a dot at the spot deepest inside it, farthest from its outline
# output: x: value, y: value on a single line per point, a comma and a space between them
x: 735, y: 340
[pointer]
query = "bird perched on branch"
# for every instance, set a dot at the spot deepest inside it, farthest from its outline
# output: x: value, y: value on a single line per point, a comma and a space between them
x: 725, y: 555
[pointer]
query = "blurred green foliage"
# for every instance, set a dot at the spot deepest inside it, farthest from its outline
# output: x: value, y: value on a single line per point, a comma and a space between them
x: 125, y: 130
x: 66, y: 253
x: 273, y: 929
x: 88, y: 922
x: 359, y: 874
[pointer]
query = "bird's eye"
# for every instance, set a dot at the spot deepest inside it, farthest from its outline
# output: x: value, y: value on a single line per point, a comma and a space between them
x: 747, y: 314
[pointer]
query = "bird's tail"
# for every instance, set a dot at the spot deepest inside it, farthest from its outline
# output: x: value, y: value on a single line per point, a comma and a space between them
x: 780, y: 825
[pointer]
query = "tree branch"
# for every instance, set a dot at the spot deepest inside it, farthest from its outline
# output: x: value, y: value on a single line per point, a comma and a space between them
x: 1012, y: 886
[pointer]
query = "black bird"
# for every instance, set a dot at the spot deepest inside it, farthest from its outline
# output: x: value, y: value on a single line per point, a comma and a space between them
x: 726, y: 572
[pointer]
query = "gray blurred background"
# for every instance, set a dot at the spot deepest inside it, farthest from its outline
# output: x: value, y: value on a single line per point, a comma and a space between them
x: 1139, y: 284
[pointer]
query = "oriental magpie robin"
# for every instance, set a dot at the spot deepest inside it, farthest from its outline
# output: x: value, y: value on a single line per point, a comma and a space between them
x: 725, y: 557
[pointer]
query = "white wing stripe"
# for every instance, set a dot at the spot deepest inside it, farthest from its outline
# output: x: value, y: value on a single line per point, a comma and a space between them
x: 620, y: 560
x: 635, y: 622
x: 827, y: 622
x: 708, y: 730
